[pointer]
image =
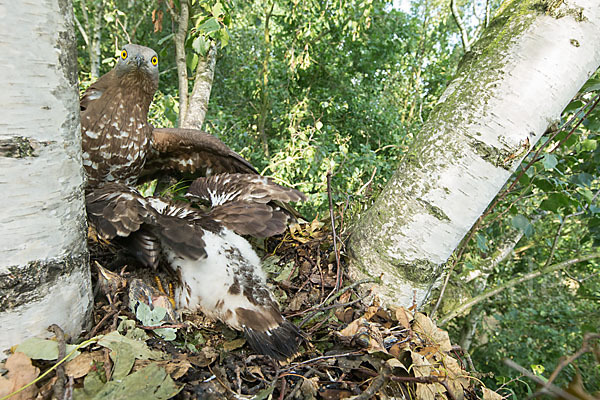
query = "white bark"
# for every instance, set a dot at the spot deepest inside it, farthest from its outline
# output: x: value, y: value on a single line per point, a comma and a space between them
x: 44, y: 270
x: 518, y: 78
x: 198, y: 101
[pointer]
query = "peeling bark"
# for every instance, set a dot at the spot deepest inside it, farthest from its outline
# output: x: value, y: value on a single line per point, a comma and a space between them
x: 44, y: 270
x: 517, y: 79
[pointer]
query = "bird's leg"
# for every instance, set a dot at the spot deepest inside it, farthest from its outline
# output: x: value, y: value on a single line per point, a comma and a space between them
x: 170, y: 295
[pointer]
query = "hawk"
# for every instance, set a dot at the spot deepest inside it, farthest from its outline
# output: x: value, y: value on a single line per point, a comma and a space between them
x: 118, y: 141
x: 219, y: 272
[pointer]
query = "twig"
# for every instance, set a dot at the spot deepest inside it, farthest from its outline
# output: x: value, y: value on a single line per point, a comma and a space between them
x: 464, y: 35
x: 151, y: 328
x: 124, y: 29
x: 377, y: 384
x: 338, y: 277
x: 335, y: 296
x: 59, y: 385
x: 96, y: 328
x: 585, y: 347
x: 555, y: 390
x: 295, y: 365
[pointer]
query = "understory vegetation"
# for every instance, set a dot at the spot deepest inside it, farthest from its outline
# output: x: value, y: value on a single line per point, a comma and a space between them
x: 306, y: 88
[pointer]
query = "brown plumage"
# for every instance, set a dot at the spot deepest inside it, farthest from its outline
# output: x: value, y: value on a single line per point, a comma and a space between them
x: 114, y: 118
x: 191, y: 151
x: 248, y: 204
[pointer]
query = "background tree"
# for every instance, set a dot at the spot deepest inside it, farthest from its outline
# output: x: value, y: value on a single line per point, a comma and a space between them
x: 44, y: 271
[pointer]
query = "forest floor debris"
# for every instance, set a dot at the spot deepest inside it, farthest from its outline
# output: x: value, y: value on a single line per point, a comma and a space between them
x: 139, y: 351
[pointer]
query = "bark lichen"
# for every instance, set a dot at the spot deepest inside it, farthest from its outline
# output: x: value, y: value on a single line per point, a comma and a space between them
x: 24, y: 284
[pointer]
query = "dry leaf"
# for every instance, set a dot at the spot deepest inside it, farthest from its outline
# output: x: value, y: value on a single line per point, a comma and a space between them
x: 438, y: 336
x: 403, y: 317
x: 422, y: 367
x: 176, y: 367
x: 490, y: 395
x: 20, y: 373
x: 83, y: 363
x: 234, y: 344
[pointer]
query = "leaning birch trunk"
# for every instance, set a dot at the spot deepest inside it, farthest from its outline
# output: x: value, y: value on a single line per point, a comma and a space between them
x: 198, y: 100
x: 44, y: 270
x: 515, y: 82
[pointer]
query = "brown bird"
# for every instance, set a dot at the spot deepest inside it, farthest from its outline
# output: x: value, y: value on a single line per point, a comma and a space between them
x: 220, y: 273
x: 118, y: 140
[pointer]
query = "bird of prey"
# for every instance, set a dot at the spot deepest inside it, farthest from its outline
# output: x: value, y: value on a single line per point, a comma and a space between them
x: 118, y: 141
x: 218, y: 270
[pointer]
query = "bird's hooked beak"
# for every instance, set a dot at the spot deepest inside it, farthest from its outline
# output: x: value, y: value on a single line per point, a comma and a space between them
x: 139, y: 60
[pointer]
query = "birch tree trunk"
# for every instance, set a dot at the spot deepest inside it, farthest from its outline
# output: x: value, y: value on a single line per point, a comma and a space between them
x: 44, y: 270
x: 517, y: 79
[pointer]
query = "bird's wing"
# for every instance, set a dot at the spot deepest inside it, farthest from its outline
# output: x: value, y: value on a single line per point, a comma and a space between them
x: 191, y: 151
x: 95, y: 90
x: 144, y: 225
x: 248, y: 204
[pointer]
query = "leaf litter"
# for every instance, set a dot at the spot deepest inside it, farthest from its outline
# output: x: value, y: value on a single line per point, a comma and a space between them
x: 139, y: 349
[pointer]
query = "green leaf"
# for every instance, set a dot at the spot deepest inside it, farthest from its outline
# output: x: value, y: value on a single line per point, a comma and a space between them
x: 192, y: 61
x: 201, y: 45
x: 168, y: 334
x: 521, y: 223
x: 148, y: 316
x: 574, y: 105
x: 549, y: 161
x: 43, y: 349
x: 543, y: 184
x: 164, y: 39
x: 481, y: 242
x: 554, y: 202
x: 589, y: 145
x: 149, y: 383
x: 114, y: 340
x: 591, y: 85
x: 209, y: 26
x: 583, y: 179
x: 217, y: 9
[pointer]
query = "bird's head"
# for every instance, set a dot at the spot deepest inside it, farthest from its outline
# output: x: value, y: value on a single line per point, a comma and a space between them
x: 139, y: 64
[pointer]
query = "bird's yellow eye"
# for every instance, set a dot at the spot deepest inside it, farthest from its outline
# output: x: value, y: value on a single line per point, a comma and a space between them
x: 123, y: 54
x: 154, y: 60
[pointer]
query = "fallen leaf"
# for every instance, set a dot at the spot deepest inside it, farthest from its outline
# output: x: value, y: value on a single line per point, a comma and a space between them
x: 149, y: 383
x: 234, y: 344
x: 124, y: 352
x: 176, y: 368
x: 490, y: 395
x: 425, y: 325
x: 82, y: 364
x: 43, y: 349
x: 403, y: 317
x: 20, y: 373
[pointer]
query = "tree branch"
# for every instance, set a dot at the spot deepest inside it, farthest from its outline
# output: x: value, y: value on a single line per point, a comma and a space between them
x: 464, y: 35
x: 179, y: 38
x: 514, y: 282
x: 203, y: 81
x: 82, y: 31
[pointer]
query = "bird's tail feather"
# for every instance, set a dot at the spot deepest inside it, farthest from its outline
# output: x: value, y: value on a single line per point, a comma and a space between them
x: 281, y: 342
